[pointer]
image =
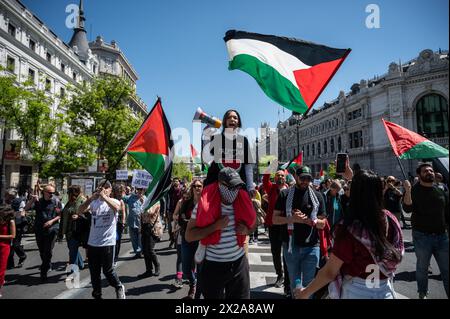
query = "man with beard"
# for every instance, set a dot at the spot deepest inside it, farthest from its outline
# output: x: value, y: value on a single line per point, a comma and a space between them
x: 273, y: 191
x: 429, y: 219
x: 301, y: 211
x: 48, y: 213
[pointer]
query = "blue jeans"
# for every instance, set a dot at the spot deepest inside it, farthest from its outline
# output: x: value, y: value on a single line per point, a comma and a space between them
x: 301, y: 263
x: 356, y: 288
x: 75, y: 257
x: 425, y: 246
x: 135, y: 238
x: 187, y: 258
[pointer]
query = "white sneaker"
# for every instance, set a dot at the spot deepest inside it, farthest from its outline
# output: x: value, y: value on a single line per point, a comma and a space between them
x: 120, y: 292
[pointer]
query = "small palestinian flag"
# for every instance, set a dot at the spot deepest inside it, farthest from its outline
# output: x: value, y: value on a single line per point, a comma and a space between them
x: 293, y: 163
x: 407, y: 144
x: 194, y: 152
x: 151, y: 146
x: 321, y: 174
x: 291, y: 72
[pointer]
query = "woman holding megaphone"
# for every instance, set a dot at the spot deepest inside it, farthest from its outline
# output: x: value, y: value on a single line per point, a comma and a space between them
x: 231, y: 149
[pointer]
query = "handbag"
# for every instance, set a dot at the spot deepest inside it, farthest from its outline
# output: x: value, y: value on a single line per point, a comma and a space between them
x: 260, y: 213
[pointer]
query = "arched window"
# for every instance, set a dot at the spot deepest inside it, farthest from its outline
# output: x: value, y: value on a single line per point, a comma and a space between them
x: 318, y: 148
x: 325, y: 147
x: 313, y: 149
x: 307, y: 150
x: 332, y: 145
x: 432, y: 116
x: 339, y: 144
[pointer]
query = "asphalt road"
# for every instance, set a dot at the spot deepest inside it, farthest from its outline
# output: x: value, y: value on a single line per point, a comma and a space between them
x: 24, y: 283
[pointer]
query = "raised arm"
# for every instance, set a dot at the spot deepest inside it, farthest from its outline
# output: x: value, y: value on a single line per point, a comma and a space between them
x: 30, y: 203
x: 407, y: 199
x: 267, y: 184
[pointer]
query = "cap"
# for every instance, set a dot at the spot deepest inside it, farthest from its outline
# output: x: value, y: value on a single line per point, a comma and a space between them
x: 303, y: 171
x: 230, y: 177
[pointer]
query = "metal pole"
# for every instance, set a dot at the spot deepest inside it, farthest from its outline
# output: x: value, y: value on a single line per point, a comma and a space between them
x: 257, y: 162
x: 401, y: 167
x: 298, y: 137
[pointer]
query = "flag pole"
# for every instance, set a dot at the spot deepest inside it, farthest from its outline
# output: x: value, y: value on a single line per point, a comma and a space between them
x: 401, y: 167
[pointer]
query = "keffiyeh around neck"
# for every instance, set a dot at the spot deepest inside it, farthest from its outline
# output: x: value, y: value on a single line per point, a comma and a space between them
x: 309, y: 194
x: 387, y: 263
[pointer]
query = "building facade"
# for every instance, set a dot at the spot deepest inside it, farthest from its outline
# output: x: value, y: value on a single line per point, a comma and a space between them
x: 30, y: 50
x: 413, y: 95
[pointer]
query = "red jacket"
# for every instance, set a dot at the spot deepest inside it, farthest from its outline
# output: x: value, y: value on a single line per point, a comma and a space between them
x: 272, y: 192
x: 209, y: 210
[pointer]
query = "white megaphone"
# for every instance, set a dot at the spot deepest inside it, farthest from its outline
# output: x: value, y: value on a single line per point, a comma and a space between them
x: 201, y: 116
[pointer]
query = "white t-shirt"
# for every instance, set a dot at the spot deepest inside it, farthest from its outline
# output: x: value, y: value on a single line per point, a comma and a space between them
x: 103, y: 224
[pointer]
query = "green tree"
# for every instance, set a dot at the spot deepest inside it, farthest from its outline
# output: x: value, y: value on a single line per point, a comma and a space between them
x: 181, y: 171
x: 28, y: 110
x: 101, y: 110
x: 71, y: 153
x: 332, y: 170
x: 11, y: 96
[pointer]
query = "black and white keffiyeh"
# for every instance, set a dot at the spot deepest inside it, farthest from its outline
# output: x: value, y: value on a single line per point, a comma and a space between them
x: 309, y: 194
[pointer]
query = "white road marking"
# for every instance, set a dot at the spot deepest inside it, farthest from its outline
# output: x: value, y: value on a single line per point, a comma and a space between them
x: 72, y: 293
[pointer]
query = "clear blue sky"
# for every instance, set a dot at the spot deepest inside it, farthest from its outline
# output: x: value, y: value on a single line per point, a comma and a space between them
x: 177, y: 49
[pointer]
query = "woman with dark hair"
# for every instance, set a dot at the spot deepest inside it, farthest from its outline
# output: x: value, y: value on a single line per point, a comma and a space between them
x: 231, y: 149
x: 367, y: 249
x: 188, y: 249
x: 70, y: 223
x: 7, y: 233
x: 178, y: 238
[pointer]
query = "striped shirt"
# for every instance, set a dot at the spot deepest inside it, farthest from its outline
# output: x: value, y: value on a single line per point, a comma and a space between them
x: 227, y: 249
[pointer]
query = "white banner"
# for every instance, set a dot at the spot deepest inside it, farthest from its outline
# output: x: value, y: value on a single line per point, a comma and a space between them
x: 121, y: 175
x: 317, y: 182
x: 88, y: 185
x: 141, y: 179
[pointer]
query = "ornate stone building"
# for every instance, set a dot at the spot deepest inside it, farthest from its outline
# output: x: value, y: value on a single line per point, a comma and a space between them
x: 413, y: 95
x: 29, y: 49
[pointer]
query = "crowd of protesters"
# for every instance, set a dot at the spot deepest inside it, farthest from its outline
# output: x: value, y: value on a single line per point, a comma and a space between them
x: 325, y: 240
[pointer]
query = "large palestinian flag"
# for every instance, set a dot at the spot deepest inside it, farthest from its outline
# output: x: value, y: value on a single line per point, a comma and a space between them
x: 292, y: 72
x: 151, y: 147
x: 407, y: 144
